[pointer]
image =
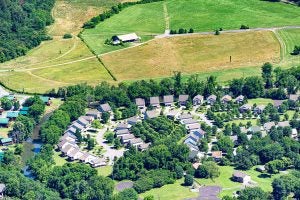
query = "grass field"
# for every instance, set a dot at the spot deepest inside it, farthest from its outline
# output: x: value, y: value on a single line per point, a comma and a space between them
x: 260, y: 101
x: 193, y: 54
x: 172, y: 191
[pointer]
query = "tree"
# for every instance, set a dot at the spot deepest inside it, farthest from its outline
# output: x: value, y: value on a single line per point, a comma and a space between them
x: 179, y: 172
x: 6, y: 104
x: 105, y: 117
x: 117, y: 143
x: 208, y: 169
x: 236, y: 86
x: 188, y: 180
x: 78, y: 136
x: 91, y: 143
x: 253, y: 87
x: 109, y: 137
x: 253, y: 193
x: 149, y: 197
x: 96, y: 124
x: 126, y: 194
x: 267, y: 70
x: 225, y: 144
x: 271, y: 152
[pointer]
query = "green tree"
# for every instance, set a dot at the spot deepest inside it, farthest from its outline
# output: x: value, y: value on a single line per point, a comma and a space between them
x: 188, y: 180
x: 126, y: 194
x: 253, y: 193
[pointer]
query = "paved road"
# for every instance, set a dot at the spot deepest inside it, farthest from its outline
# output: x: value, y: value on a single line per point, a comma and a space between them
x: 109, y: 151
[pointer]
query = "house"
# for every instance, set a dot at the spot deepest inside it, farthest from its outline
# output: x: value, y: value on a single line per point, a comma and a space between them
x: 1, y: 110
x: 234, y: 139
x: 94, y: 113
x: 83, y: 122
x: 68, y: 137
x: 193, y: 127
x: 168, y: 100
x: 211, y: 100
x: 226, y: 99
x: 68, y: 148
x: 217, y: 155
x: 184, y: 116
x: 188, y: 121
x: 198, y: 100
x: 150, y: 114
x: 243, y: 129
x: 254, y: 129
x: 77, y: 126
x: 260, y: 168
x: 126, y: 138
x: 182, y: 100
x: 46, y: 100
x: 4, y: 122
x: 74, y: 154
x: 173, y: 114
x: 122, y: 126
x: 140, y: 103
x: 277, y: 103
x: 294, y: 97
x: 85, y: 157
x: 71, y: 130
x: 241, y: 177
x: 104, y: 108
x: 154, y: 102
x: 239, y: 99
x: 97, y: 162
x: 194, y: 137
x: 245, y: 108
x: 135, y: 142
x: 131, y: 37
x: 90, y: 119
x: 6, y: 141
x: 283, y: 124
x: 24, y: 110
x: 259, y: 109
x: 122, y: 132
x: 132, y: 120
x: 144, y: 146
x: 2, y: 190
x: 12, y: 115
x: 269, y: 125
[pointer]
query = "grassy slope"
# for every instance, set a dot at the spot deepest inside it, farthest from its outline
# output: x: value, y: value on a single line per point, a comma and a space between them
x: 193, y: 54
x: 205, y: 15
x: 144, y: 20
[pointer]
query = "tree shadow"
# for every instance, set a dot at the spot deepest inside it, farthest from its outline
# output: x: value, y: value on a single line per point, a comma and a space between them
x: 264, y: 175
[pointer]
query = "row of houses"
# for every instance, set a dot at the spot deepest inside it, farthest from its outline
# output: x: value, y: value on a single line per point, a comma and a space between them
x: 123, y: 132
x: 69, y: 147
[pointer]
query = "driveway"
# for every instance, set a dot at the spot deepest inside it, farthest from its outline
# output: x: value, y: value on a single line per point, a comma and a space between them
x: 110, y: 152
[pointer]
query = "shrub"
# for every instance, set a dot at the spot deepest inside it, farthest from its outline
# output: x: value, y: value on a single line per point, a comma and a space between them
x: 188, y: 180
x: 244, y: 26
x: 67, y: 36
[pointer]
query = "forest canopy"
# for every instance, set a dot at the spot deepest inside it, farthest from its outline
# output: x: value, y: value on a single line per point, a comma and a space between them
x: 23, y: 26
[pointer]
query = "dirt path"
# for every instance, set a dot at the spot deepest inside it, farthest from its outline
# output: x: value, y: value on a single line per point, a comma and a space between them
x: 283, y: 48
x: 166, y: 16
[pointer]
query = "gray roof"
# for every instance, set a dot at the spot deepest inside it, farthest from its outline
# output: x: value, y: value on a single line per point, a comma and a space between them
x: 82, y: 121
x: 212, y: 97
x: 260, y: 107
x: 269, y: 125
x: 193, y: 126
x: 284, y: 124
x: 122, y: 126
x: 154, y: 100
x: 127, y: 136
x: 67, y: 148
x: 198, y: 97
x: 144, y: 146
x: 135, y: 141
x: 246, y: 107
x: 239, y: 174
x: 234, y: 138
x: 185, y: 116
x: 255, y: 129
x: 73, y: 152
x: 183, y: 98
x: 92, y: 112
x: 84, y: 156
x: 294, y: 97
x: 77, y: 125
x: 105, y: 107
x: 132, y: 120
x: 172, y: 113
x: 122, y: 132
x: 226, y: 98
x: 189, y: 121
x: 152, y: 114
x: 240, y: 98
x: 168, y: 99
x: 2, y: 187
x: 140, y: 102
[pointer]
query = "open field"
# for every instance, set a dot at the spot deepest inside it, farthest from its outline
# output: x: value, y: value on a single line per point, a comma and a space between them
x: 193, y: 54
x: 172, y: 191
x: 260, y: 101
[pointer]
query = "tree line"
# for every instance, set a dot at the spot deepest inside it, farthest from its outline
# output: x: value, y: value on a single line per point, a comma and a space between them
x: 23, y: 26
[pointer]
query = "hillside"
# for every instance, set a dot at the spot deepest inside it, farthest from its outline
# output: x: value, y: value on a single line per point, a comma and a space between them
x: 23, y: 26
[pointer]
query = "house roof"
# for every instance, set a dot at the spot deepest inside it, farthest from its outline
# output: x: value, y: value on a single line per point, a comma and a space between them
x: 92, y: 112
x: 185, y: 116
x: 73, y: 152
x: 277, y: 103
x: 135, y: 141
x: 105, y: 107
x: 212, y: 97
x: 122, y: 126
x: 269, y: 125
x: 77, y: 125
x: 246, y: 107
x: 226, y: 98
x: 260, y: 107
x: 45, y: 99
x: 82, y: 120
x: 168, y: 99
x: 128, y: 37
x: 294, y: 97
x: 144, y: 146
x: 127, y: 136
x: 152, y: 114
x: 173, y: 113
x: 98, y: 160
x: 140, y: 102
x: 183, y: 98
x: 284, y: 124
x: 154, y: 100
x: 2, y: 187
x: 12, y: 114
x: 216, y: 154
x: 84, y: 156
x: 122, y: 132
x: 67, y: 148
x: 239, y: 174
x: 132, y: 120
x: 254, y: 129
x: 4, y: 121
x: 6, y: 140
x: 193, y: 126
x: 198, y: 97
x: 189, y: 121
x: 24, y: 108
x: 233, y: 138
x: 240, y: 98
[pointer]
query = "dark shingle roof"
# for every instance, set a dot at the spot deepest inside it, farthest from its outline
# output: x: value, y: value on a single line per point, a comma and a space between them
x: 168, y: 99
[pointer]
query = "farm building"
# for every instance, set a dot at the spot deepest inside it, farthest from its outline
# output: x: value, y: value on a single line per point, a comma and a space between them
x: 4, y: 122
x: 6, y: 141
x: 131, y: 37
x: 46, y: 100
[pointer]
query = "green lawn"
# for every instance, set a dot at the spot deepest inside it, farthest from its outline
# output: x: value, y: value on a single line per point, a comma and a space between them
x: 172, y: 191
x: 104, y: 171
x: 260, y: 101
x: 291, y: 37
x: 59, y: 161
x: 243, y: 121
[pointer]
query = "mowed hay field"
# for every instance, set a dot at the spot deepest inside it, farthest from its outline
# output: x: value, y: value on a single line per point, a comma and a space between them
x: 193, y: 54
x: 149, y: 19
